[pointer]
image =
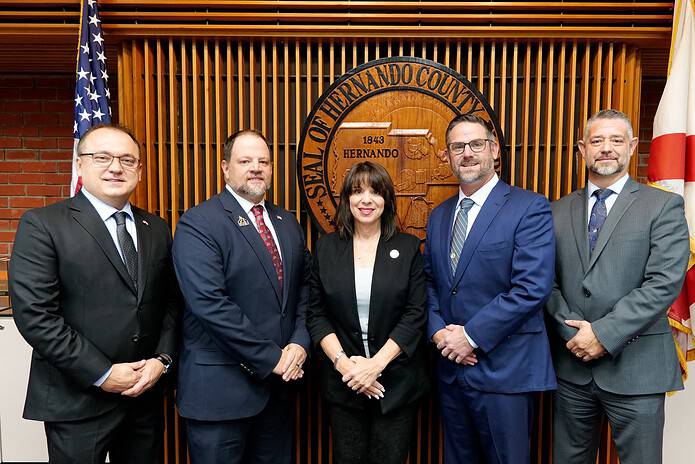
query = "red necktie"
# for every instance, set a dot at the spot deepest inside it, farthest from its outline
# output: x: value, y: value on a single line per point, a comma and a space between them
x: 267, y: 238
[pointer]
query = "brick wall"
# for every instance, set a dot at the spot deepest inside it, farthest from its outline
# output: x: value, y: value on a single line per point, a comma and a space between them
x: 36, y: 142
x: 652, y: 88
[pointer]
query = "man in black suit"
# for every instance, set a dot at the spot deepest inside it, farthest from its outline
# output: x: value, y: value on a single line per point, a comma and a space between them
x: 243, y: 268
x: 94, y: 294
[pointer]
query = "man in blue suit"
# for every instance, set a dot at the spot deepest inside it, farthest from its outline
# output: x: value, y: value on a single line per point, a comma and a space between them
x: 489, y: 257
x: 243, y: 267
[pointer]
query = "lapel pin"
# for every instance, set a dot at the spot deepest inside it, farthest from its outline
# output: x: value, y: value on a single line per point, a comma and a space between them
x: 242, y: 222
x: 279, y: 217
x: 145, y: 222
x: 394, y: 254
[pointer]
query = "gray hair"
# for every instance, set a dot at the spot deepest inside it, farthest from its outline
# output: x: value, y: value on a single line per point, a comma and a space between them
x: 609, y: 114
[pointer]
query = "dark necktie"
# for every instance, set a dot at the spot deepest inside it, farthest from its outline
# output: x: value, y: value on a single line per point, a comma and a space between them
x: 598, y: 216
x: 458, y: 235
x: 125, y: 241
x: 267, y: 238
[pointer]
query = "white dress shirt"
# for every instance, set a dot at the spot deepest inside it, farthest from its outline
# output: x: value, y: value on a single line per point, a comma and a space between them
x: 617, y: 187
x: 479, y: 197
x: 106, y: 213
x: 247, y: 206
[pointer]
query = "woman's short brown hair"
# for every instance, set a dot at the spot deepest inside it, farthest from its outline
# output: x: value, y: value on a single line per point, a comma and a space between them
x: 367, y: 174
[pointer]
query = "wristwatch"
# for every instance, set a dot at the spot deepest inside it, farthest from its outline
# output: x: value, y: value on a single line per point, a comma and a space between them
x: 166, y: 361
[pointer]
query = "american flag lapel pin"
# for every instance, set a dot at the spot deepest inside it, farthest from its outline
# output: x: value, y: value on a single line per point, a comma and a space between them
x: 242, y: 222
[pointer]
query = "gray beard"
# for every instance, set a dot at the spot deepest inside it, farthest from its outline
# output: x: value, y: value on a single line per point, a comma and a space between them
x: 606, y: 170
x: 252, y: 192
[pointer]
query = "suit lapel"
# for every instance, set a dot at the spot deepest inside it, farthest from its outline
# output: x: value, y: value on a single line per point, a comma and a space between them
x: 446, y: 225
x: 85, y: 214
x: 348, y: 257
x: 492, y: 206
x: 242, y: 222
x: 579, y: 226
x: 622, y: 203
x: 143, y: 230
x: 286, y: 249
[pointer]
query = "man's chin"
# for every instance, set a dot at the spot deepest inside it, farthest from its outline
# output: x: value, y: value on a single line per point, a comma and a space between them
x: 606, y: 171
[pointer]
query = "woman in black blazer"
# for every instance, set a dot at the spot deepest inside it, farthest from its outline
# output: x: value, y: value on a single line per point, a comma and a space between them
x: 367, y: 313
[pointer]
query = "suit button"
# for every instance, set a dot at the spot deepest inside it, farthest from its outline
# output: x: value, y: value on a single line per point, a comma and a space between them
x: 355, y: 334
x: 453, y: 291
x: 371, y: 339
x: 135, y: 338
x: 587, y: 293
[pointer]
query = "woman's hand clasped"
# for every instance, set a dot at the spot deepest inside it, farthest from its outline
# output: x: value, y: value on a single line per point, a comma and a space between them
x: 360, y: 375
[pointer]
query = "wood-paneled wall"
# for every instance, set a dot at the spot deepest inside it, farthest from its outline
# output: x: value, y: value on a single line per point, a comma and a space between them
x: 184, y: 96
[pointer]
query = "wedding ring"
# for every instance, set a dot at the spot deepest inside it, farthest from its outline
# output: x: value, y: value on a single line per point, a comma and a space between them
x: 578, y: 354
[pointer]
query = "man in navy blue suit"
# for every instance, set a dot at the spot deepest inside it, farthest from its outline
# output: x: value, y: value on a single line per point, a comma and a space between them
x: 489, y: 258
x: 243, y: 267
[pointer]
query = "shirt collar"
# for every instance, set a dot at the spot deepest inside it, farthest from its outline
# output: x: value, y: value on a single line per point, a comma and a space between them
x: 480, y: 195
x: 104, y: 210
x: 243, y: 202
x: 616, y: 187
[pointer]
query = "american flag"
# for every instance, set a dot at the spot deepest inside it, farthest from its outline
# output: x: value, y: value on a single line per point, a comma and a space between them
x: 91, y: 89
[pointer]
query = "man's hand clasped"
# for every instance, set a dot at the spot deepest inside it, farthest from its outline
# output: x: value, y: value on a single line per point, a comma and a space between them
x: 453, y: 345
x: 134, y: 378
x: 291, y: 361
x: 584, y: 344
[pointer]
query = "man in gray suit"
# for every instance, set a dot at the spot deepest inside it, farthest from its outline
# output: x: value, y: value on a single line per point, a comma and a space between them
x: 622, y: 251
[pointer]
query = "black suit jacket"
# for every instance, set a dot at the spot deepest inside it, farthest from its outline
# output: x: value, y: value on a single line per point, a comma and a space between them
x: 236, y: 320
x: 76, y: 305
x: 396, y: 311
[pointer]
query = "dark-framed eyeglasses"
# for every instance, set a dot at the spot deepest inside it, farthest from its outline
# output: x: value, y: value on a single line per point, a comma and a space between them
x: 476, y: 146
x: 104, y: 160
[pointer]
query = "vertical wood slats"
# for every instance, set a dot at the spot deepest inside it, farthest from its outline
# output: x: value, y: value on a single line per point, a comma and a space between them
x: 182, y: 98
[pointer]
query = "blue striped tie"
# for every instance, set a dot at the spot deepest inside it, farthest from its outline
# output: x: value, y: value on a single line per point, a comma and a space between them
x: 599, y: 212
x: 458, y: 236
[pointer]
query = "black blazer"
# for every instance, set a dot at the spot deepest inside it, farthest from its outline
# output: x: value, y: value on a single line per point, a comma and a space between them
x: 396, y: 311
x: 76, y: 305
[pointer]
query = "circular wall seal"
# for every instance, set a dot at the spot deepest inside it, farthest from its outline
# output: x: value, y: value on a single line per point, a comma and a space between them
x: 393, y: 111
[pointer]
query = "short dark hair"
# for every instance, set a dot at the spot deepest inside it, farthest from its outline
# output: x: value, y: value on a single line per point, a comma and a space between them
x: 229, y: 143
x: 609, y: 113
x: 473, y: 119
x: 372, y: 175
x: 114, y: 126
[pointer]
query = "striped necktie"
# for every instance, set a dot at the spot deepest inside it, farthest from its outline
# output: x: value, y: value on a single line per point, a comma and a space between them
x: 458, y: 236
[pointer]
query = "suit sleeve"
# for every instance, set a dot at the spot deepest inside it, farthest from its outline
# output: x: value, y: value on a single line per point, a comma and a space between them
x: 173, y: 302
x: 408, y: 330
x: 35, y: 292
x: 559, y: 311
x: 318, y: 323
x: 300, y: 335
x: 663, y: 279
x: 435, y: 322
x: 533, y: 265
x: 200, y: 271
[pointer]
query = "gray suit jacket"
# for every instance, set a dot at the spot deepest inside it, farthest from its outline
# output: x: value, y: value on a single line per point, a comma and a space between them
x: 624, y: 289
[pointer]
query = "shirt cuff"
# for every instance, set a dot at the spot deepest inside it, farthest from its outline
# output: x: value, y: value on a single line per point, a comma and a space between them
x: 103, y: 378
x: 470, y: 340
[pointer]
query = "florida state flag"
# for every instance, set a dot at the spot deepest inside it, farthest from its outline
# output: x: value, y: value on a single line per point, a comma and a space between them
x: 672, y: 159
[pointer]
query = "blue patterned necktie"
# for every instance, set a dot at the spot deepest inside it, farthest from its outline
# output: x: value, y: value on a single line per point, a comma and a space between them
x: 125, y: 241
x: 598, y: 216
x: 458, y: 235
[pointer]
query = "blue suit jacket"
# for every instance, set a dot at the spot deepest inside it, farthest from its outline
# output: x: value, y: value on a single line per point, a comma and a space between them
x: 236, y: 321
x: 503, y: 279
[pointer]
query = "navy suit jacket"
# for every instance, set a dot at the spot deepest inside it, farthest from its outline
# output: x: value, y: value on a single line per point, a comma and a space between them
x: 236, y: 321
x: 503, y: 279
